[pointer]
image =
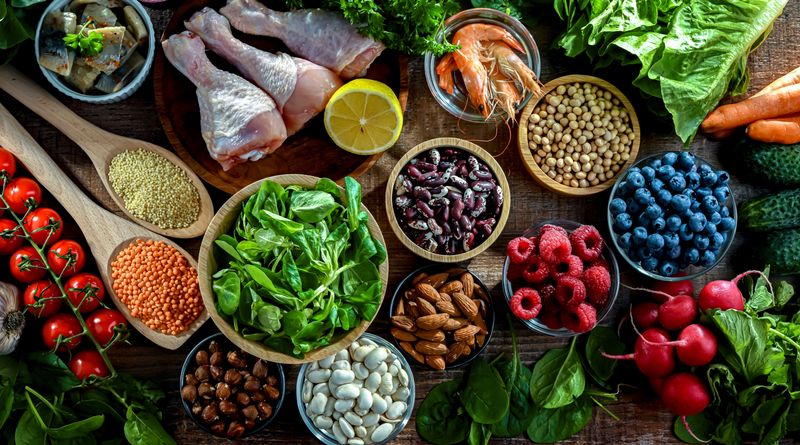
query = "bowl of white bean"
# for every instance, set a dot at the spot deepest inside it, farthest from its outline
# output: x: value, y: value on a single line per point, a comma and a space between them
x: 364, y: 394
x: 579, y: 136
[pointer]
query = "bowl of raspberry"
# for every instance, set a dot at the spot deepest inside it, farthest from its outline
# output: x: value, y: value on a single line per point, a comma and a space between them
x: 560, y: 278
x: 672, y: 216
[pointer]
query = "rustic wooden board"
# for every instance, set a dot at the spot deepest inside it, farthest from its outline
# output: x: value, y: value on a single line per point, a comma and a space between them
x: 644, y: 420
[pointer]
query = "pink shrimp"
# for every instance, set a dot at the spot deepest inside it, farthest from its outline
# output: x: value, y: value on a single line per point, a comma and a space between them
x: 511, y: 66
x: 505, y: 93
x: 444, y: 69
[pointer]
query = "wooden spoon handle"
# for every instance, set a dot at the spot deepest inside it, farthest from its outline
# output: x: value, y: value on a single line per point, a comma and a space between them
x: 85, y: 134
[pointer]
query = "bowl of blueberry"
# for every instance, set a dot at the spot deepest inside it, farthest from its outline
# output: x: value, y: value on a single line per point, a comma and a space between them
x: 670, y: 213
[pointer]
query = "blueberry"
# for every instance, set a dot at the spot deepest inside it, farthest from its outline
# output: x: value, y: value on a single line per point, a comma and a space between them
x: 717, y: 241
x: 663, y: 197
x: 681, y: 203
x: 708, y: 258
x: 697, y: 222
x: 685, y: 233
x: 722, y: 193
x: 671, y: 240
x: 714, y: 218
x: 655, y: 163
x: 655, y: 242
x: 692, y: 180
x: 656, y: 184
x: 669, y: 158
x: 642, y: 196
x: 667, y: 268
x: 617, y: 206
x: 635, y: 179
x: 691, y: 255
x: 650, y: 264
x: 665, y: 172
x: 639, y: 235
x: 633, y: 206
x: 695, y: 207
x: 624, y: 240
x: 708, y: 177
x: 644, y: 252
x: 643, y: 220
x: 690, y: 193
x: 704, y: 168
x: 701, y: 241
x: 723, y: 212
x: 623, y: 189
x: 702, y: 192
x: 658, y: 224
x: 710, y: 228
x: 677, y: 183
x: 633, y: 255
x: 673, y: 253
x: 673, y: 223
x: 648, y: 172
x: 623, y: 222
x: 722, y: 177
x: 727, y: 224
x: 710, y: 204
x: 685, y: 161
x: 653, y: 211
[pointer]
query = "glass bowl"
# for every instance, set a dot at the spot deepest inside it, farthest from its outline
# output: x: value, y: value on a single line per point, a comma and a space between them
x: 458, y: 104
x: 329, y: 439
x: 689, y: 272
x: 537, y: 326
x: 189, y: 361
x: 431, y: 269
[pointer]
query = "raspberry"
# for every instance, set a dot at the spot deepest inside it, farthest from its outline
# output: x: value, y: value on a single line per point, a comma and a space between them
x: 548, y: 293
x: 580, y: 318
x: 519, y: 250
x: 535, y: 270
x: 587, y: 243
x: 599, y: 263
x: 514, y: 272
x: 554, y: 246
x: 598, y: 285
x: 570, y: 291
x: 526, y: 303
x: 549, y: 227
x: 550, y: 318
x: 572, y: 266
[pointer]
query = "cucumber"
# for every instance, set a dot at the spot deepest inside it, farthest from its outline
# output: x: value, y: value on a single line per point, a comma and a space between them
x: 775, y: 211
x: 774, y: 164
x: 781, y: 250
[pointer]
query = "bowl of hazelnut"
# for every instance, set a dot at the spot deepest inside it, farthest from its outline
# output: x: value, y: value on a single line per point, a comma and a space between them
x: 228, y: 392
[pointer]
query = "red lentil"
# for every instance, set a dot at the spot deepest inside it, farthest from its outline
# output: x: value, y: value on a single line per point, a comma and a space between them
x: 158, y: 285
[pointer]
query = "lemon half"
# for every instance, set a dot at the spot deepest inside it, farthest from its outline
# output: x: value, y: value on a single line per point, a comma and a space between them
x: 364, y: 117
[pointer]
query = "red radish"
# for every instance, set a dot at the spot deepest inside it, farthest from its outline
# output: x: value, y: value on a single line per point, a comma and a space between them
x: 652, y: 353
x: 685, y: 394
x: 645, y: 314
x: 675, y: 312
x: 722, y: 294
x: 684, y: 287
x: 696, y: 345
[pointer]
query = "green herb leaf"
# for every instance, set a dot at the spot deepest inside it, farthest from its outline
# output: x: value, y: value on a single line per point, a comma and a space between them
x: 312, y: 206
x: 228, y: 290
x: 440, y: 419
x: 558, y: 377
x: 77, y: 429
x: 484, y: 396
x: 143, y: 428
x: 479, y: 434
x: 553, y: 425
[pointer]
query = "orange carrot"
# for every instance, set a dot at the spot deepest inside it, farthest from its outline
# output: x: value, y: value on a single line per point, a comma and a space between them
x: 780, y: 102
x: 781, y: 130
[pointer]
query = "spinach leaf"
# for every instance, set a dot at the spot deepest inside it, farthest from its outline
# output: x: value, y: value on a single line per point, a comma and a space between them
x: 290, y: 273
x: 364, y: 246
x: 558, y: 377
x: 552, y: 425
x: 352, y: 190
x: 479, y: 434
x: 228, y: 289
x: 312, y: 206
x: 47, y: 371
x: 793, y: 417
x: 721, y: 382
x: 281, y: 225
x: 764, y: 416
x: 329, y: 187
x: 269, y: 318
x: 6, y: 400
x: 521, y: 410
x: 602, y: 339
x: 228, y: 244
x: 29, y: 432
x: 484, y: 397
x: 744, y: 344
x: 440, y: 418
x: 143, y: 428
x: 77, y: 429
x: 701, y: 427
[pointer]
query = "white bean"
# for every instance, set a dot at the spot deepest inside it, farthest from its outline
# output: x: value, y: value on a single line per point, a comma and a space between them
x: 394, y: 369
x: 307, y: 391
x: 366, y: 341
x: 382, y: 369
x: 344, y: 354
x: 337, y: 432
x: 376, y: 358
x: 396, y: 410
x: 342, y: 376
x: 371, y: 419
x: 362, y: 352
x: 340, y: 364
x: 379, y: 406
x: 346, y: 392
x: 382, y: 432
x: 317, y: 405
x: 403, y: 377
x: 318, y: 375
x: 329, y: 407
x: 352, y: 418
x: 326, y: 362
x: 373, y: 382
x: 346, y: 428
x: 360, y: 371
x: 355, y: 441
x: 401, y: 394
x: 364, y: 398
x: 387, y: 386
x: 361, y: 432
x: 343, y: 406
x: 323, y: 422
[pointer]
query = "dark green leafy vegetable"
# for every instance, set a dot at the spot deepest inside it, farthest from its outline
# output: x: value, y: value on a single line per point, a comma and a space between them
x: 17, y: 20
x: 485, y: 397
x: 558, y: 377
x: 517, y: 378
x: 602, y: 339
x: 441, y: 419
x: 552, y: 425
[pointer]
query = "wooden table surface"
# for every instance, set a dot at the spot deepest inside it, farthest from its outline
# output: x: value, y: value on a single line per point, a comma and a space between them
x: 643, y: 420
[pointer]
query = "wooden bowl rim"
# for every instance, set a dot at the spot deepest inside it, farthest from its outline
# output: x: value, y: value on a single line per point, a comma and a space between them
x: 481, y: 154
x: 527, y: 157
x: 205, y: 260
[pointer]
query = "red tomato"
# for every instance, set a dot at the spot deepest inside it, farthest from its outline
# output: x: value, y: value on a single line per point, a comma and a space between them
x: 19, y: 191
x: 66, y: 257
x: 85, y: 291
x: 26, y: 265
x: 41, y: 290
x: 7, y: 162
x: 37, y: 222
x: 87, y: 363
x: 61, y: 325
x: 14, y: 240
x: 102, y: 322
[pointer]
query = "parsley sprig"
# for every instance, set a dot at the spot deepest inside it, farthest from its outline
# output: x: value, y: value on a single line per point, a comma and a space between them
x: 87, y: 42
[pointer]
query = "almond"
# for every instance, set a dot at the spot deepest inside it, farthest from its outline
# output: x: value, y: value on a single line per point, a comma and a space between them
x: 424, y: 307
x: 478, y: 290
x: 402, y: 335
x: 466, y: 305
x: 400, y: 309
x: 481, y: 307
x: 467, y: 349
x: 450, y: 287
x: 466, y: 334
x: 435, y: 361
x: 409, y: 348
x: 427, y: 292
x: 436, y: 280
x: 430, y: 322
x: 445, y: 296
x: 420, y: 276
x: 480, y: 323
x: 412, y: 309
x: 468, y: 283
x: 425, y: 347
x: 436, y: 335
x: 454, y: 352
x: 403, y: 322
x: 453, y: 324
x: 481, y: 339
x: 448, y: 308
x: 455, y: 271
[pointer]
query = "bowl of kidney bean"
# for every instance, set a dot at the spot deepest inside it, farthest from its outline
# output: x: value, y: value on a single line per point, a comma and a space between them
x: 227, y: 392
x: 447, y: 200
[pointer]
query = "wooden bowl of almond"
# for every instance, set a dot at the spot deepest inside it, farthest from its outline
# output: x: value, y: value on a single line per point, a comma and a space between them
x: 441, y: 317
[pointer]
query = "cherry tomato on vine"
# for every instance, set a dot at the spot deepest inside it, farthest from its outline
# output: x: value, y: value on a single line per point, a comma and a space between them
x: 101, y: 324
x: 7, y: 162
x: 87, y: 363
x: 44, y: 289
x: 61, y: 325
x: 10, y: 237
x: 26, y: 265
x: 85, y: 291
x: 21, y: 190
x: 66, y: 257
x: 38, y: 224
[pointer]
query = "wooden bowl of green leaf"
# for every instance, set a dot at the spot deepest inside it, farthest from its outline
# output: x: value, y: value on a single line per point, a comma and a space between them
x: 293, y: 268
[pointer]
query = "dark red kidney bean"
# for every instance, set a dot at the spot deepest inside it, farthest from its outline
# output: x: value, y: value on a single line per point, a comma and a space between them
x: 469, y: 199
x: 486, y: 226
x: 453, y: 195
x: 408, y: 185
x: 402, y: 201
x: 473, y: 163
x: 434, y: 182
x: 468, y: 242
x: 422, y: 193
x: 445, y: 213
x: 463, y: 170
x: 439, y: 192
x: 483, y: 186
x: 399, y: 185
x: 457, y: 232
x: 429, y: 175
x: 429, y: 244
x: 484, y: 167
x: 451, y: 152
x: 452, y: 246
x: 476, y: 175
x: 414, y: 172
x: 426, y: 166
x: 424, y: 208
x: 448, y: 173
x: 437, y: 202
x: 465, y: 223
x: 459, y: 182
x: 444, y: 165
x: 410, y: 213
x: 457, y: 209
x: 497, y: 195
x: 480, y: 205
x: 441, y: 240
x: 434, y: 227
x: 418, y: 224
x: 446, y: 228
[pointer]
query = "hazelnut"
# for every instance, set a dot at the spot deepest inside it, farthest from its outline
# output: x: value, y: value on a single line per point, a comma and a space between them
x: 205, y: 390
x: 258, y: 397
x: 264, y: 410
x: 214, y: 347
x: 250, y: 412
x: 223, y: 391
x: 197, y: 408
x: 190, y: 379
x: 242, y: 399
x: 272, y: 380
x: 202, y: 373
x: 201, y: 357
x: 260, y: 369
x: 249, y: 424
x: 236, y: 360
x: 272, y: 392
x: 218, y: 428
x: 235, y: 430
x: 252, y: 385
x: 227, y: 408
x: 189, y: 393
x: 209, y: 413
x: 217, y: 358
x: 216, y: 372
x: 232, y: 377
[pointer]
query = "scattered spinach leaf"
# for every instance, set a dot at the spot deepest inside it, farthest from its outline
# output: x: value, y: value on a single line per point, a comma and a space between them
x: 558, y: 377
x: 553, y: 425
x: 484, y: 397
x: 440, y: 418
x: 602, y: 339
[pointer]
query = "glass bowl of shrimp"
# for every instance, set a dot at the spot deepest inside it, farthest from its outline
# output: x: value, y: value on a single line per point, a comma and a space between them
x: 494, y: 73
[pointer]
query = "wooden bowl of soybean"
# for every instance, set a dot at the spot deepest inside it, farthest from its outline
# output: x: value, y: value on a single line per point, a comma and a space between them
x: 208, y: 264
x: 572, y: 127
